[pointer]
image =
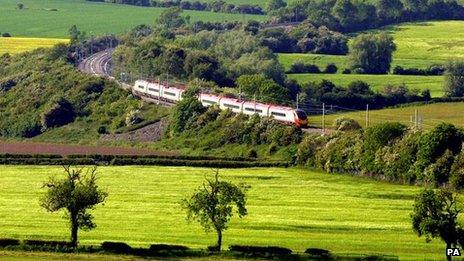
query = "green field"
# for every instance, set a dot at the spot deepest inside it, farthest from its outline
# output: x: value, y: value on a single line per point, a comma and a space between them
x: 287, y: 207
x: 431, y: 114
x: 377, y: 82
x: 419, y: 45
x: 95, y: 18
x: 15, y: 45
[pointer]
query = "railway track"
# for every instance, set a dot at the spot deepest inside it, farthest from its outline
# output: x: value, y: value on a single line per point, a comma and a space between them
x: 100, y: 64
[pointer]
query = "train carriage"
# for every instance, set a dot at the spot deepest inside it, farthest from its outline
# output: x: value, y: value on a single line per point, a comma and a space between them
x: 250, y: 108
x: 209, y: 99
x: 232, y: 104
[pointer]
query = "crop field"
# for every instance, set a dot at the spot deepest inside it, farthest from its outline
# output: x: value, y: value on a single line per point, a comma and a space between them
x: 288, y: 207
x: 431, y: 114
x: 53, y: 18
x: 14, y: 45
x: 377, y: 82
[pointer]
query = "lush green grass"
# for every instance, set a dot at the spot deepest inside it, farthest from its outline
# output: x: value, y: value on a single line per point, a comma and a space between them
x: 431, y: 115
x: 287, y: 207
x: 95, y: 18
x: 15, y: 45
x: 433, y: 83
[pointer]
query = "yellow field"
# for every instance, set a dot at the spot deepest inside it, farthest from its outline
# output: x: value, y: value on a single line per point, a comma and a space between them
x: 14, y: 45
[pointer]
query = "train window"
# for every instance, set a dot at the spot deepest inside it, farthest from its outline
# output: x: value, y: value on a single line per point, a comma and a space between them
x: 141, y: 87
x: 253, y: 110
x: 170, y: 93
x: 278, y: 114
x: 153, y: 90
x: 301, y: 114
x: 209, y: 102
x: 231, y: 106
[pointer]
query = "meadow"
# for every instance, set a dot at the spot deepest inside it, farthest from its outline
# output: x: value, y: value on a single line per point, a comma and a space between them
x: 292, y: 207
x: 431, y: 114
x: 39, y: 20
x: 14, y: 45
x: 377, y: 82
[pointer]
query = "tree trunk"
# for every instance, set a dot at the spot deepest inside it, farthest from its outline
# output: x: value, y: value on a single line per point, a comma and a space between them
x: 219, y: 240
x: 448, y: 257
x: 74, y: 229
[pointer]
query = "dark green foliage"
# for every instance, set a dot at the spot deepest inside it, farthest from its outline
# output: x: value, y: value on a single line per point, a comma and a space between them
x: 188, y: 109
x: 60, y: 113
x: 44, y: 243
x: 116, y: 247
x: 213, y: 205
x: 317, y: 252
x: 171, y: 18
x: 372, y: 53
x: 454, y: 79
x: 76, y: 194
x: 260, y: 250
x: 4, y: 242
x: 167, y: 248
x: 275, y: 4
x: 457, y: 172
x: 300, y: 67
x: 263, y: 89
x: 435, y: 143
x: 331, y: 68
x: 377, y: 137
x: 346, y: 124
x: 436, y: 215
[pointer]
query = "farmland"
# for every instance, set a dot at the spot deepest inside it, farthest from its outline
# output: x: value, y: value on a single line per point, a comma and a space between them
x: 53, y: 18
x: 415, y: 48
x: 377, y: 82
x: 288, y: 207
x: 431, y: 114
x: 14, y: 45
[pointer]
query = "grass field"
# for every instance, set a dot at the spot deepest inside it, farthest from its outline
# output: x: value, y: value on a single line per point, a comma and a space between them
x: 433, y: 83
x: 431, y: 114
x: 14, y: 45
x: 95, y: 18
x: 287, y: 207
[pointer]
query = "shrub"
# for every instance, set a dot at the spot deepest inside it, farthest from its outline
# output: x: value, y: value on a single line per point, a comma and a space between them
x: 60, y: 113
x: 43, y: 243
x: 168, y: 248
x: 341, y: 154
x: 317, y: 252
x: 300, y: 67
x: 102, y: 129
x: 331, y: 68
x: 346, y: 124
x: 308, y: 147
x: 457, y: 172
x: 6, y: 35
x: 346, y: 71
x: 116, y: 247
x: 258, y: 250
x: 4, y: 242
x: 213, y: 248
x: 252, y: 154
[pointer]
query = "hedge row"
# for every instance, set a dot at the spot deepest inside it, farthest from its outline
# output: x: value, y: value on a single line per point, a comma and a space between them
x: 142, y: 161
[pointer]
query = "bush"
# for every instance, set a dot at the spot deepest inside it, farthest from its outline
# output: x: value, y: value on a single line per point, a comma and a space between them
x: 168, y: 248
x: 6, y: 35
x: 4, y: 242
x: 252, y: 154
x: 346, y: 71
x: 346, y: 124
x: 213, y: 248
x: 260, y: 251
x: 331, y: 68
x: 116, y: 247
x: 102, y: 130
x: 60, y: 113
x: 317, y: 252
x: 301, y: 67
x: 51, y: 244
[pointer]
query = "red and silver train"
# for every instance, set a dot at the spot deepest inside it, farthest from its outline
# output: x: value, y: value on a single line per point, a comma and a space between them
x: 174, y: 93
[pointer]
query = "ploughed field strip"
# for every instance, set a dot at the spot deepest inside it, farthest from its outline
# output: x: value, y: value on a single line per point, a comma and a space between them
x: 290, y: 207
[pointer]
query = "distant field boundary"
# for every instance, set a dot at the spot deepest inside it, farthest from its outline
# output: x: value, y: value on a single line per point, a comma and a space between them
x: 152, y: 160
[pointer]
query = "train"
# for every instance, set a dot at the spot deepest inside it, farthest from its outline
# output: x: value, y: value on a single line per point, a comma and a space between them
x: 173, y: 93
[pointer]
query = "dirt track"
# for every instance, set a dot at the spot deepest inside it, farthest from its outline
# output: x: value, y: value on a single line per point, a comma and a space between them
x: 61, y: 149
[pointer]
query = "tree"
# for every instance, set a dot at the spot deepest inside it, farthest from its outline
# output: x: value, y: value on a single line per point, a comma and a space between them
x: 454, y: 79
x: 76, y: 194
x: 346, y: 13
x: 75, y: 35
x: 275, y: 4
x: 436, y: 215
x: 212, y: 205
x: 185, y: 110
x: 171, y: 18
x: 20, y: 6
x: 372, y: 53
x: 389, y: 10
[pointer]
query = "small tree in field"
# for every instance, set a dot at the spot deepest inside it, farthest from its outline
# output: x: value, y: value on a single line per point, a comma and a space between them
x: 76, y: 194
x: 212, y: 205
x: 436, y: 215
x: 20, y: 6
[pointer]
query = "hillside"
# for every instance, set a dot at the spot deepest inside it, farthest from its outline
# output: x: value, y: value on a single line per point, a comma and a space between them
x: 39, y: 20
x: 287, y: 207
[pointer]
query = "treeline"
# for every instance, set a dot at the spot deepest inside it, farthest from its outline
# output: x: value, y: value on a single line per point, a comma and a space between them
x: 389, y: 151
x: 214, y: 6
x: 351, y: 16
x: 304, y: 38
